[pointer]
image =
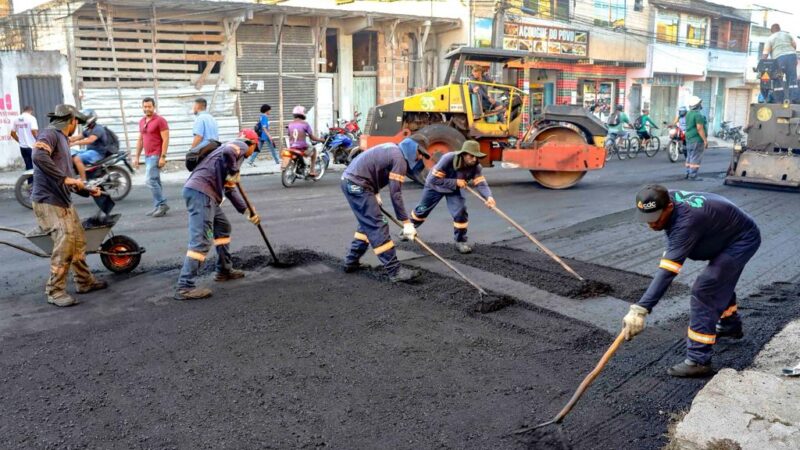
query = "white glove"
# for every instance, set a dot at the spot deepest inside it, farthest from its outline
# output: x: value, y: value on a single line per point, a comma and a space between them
x: 409, y: 231
x: 634, y: 321
x: 378, y: 199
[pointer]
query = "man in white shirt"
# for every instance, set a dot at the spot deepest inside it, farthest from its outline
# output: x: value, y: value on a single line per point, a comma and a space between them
x: 782, y: 47
x: 24, y: 131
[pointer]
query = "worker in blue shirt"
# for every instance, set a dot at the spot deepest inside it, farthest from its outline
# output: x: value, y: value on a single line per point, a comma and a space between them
x: 703, y: 227
x: 380, y: 166
x: 453, y: 171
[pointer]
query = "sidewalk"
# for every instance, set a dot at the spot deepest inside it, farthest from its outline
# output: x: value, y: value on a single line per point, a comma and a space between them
x: 174, y: 173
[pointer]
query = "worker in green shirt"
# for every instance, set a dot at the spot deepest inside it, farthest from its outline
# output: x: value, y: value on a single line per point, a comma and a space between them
x: 641, y: 126
x: 696, y: 138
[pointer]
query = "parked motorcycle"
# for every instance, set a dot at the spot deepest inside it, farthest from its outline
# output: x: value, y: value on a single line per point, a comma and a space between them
x: 677, y: 144
x: 295, y: 165
x: 736, y: 134
x: 724, y: 130
x: 340, y: 146
x: 108, y: 174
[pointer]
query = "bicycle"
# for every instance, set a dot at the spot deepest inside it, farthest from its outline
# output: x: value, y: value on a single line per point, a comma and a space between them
x: 619, y: 146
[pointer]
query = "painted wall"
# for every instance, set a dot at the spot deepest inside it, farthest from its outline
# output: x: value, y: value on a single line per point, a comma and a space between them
x: 12, y: 65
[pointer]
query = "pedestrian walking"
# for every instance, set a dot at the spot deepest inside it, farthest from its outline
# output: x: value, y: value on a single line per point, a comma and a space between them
x: 362, y: 181
x: 264, y: 139
x: 696, y: 137
x: 51, y: 196
x: 154, y: 140
x: 214, y: 177
x: 453, y: 171
x: 205, y: 127
x: 702, y: 227
x: 24, y: 131
x: 782, y: 47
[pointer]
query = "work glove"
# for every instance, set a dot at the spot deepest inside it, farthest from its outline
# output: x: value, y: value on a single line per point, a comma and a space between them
x: 634, y: 321
x: 461, y: 183
x: 490, y: 203
x: 252, y: 216
x: 409, y: 231
x: 378, y: 199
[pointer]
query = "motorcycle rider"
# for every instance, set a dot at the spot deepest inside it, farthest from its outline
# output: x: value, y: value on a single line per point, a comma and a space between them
x: 680, y: 119
x: 96, y: 140
x: 298, y: 130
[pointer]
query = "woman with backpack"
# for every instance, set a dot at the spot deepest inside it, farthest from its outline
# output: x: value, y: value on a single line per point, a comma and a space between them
x: 262, y: 130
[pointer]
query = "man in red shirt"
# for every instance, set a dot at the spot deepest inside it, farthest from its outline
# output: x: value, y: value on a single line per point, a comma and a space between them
x: 154, y: 139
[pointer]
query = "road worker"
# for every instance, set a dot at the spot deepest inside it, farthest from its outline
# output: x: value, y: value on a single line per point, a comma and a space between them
x: 53, y: 184
x: 696, y: 137
x: 379, y: 166
x: 705, y: 227
x: 453, y: 171
x: 214, y: 177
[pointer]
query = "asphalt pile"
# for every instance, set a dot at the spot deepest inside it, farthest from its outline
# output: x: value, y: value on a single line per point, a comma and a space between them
x: 317, y: 358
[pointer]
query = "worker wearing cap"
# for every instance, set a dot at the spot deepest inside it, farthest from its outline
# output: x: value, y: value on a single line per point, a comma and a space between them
x: 214, y: 177
x: 378, y: 167
x: 696, y: 137
x: 53, y: 183
x: 705, y: 227
x: 453, y: 171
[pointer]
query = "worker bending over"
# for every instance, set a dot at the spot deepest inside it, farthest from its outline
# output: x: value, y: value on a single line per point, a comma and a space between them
x: 382, y: 165
x: 703, y: 227
x: 453, y: 171
x: 216, y: 175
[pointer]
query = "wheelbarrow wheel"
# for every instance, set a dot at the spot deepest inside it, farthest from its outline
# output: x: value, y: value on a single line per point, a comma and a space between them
x: 116, y: 254
x: 22, y: 190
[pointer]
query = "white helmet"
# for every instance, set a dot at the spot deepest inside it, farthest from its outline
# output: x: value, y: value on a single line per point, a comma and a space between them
x: 694, y: 101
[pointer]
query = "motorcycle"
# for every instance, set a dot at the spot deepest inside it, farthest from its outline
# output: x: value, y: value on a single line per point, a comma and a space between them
x: 296, y: 165
x: 107, y: 174
x: 677, y: 144
x: 340, y: 146
x: 736, y: 134
x: 724, y: 130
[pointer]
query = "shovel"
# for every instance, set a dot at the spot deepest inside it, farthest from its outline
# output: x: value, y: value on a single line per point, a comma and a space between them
x: 275, y: 261
x: 583, y: 386
x: 436, y: 255
x: 529, y: 236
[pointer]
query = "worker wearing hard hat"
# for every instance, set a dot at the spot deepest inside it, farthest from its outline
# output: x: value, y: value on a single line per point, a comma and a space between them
x: 705, y: 227
x: 453, y: 171
x: 696, y: 137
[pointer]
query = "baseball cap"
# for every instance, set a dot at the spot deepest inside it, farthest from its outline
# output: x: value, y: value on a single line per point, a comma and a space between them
x: 248, y: 135
x: 650, y: 201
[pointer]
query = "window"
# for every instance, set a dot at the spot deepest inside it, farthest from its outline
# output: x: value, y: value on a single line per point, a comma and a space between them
x: 545, y: 9
x: 667, y: 27
x: 739, y: 36
x: 609, y: 13
x: 331, y: 52
x: 365, y: 51
x: 696, y: 31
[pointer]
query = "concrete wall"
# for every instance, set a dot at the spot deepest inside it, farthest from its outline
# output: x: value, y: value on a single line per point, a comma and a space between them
x: 668, y: 58
x: 12, y: 65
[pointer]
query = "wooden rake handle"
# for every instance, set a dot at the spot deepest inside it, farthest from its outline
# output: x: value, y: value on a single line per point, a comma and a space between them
x: 529, y: 236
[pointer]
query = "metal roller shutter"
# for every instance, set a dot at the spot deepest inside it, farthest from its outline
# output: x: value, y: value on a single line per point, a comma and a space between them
x: 257, y: 65
x: 702, y: 89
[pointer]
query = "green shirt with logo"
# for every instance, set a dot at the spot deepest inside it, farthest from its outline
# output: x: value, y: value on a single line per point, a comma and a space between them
x: 694, y: 118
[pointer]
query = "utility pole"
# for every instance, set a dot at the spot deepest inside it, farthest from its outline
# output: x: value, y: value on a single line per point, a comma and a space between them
x: 498, y: 30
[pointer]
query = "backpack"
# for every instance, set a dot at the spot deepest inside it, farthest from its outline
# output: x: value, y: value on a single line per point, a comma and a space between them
x: 637, y: 124
x: 257, y: 128
x: 112, y: 142
x: 613, y: 119
x: 196, y: 154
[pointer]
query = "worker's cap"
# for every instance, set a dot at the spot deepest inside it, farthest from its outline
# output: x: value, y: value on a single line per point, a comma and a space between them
x: 472, y: 148
x: 650, y: 202
x: 694, y: 101
x: 248, y: 135
x: 422, y: 144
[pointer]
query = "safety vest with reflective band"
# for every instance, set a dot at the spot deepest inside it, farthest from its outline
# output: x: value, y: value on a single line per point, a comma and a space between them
x: 444, y: 176
x: 378, y: 167
x: 701, y: 227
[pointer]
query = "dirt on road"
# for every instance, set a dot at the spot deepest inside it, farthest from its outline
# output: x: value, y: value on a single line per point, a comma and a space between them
x: 311, y: 357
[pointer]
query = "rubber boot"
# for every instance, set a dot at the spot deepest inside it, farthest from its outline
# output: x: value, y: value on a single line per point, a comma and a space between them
x: 192, y: 293
x: 689, y: 369
x: 730, y: 329
x: 95, y: 286
x: 232, y: 274
x: 355, y: 267
x: 404, y: 275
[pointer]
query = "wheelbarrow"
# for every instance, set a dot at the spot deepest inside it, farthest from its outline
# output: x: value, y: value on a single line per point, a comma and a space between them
x: 120, y: 254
